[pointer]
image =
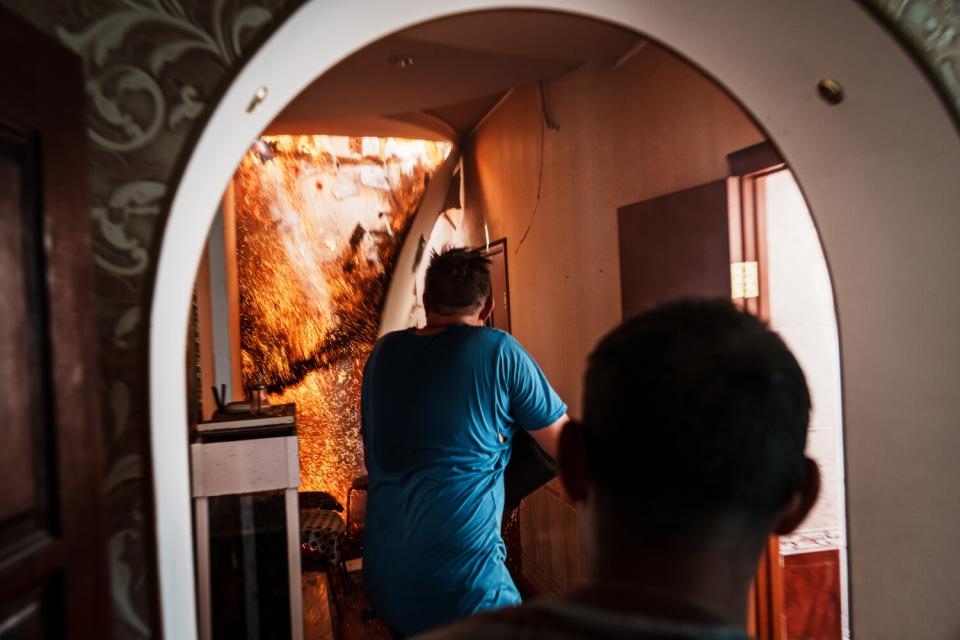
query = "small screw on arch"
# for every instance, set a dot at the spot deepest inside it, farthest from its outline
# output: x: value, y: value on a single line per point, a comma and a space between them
x: 830, y: 91
x: 400, y: 61
x: 257, y: 98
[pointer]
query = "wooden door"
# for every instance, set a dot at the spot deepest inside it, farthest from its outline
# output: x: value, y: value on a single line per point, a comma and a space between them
x: 674, y: 246
x: 53, y: 569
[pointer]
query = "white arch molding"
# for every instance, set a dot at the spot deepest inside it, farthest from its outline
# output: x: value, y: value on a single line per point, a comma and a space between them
x: 879, y: 172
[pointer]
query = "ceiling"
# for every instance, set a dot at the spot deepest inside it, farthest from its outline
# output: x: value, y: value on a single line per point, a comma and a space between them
x: 461, y: 68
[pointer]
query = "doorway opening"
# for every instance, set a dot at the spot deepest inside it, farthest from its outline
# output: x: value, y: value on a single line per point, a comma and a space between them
x: 780, y: 274
x: 801, y: 310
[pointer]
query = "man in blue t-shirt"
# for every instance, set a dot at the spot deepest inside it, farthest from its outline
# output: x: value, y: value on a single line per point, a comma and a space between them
x: 440, y: 407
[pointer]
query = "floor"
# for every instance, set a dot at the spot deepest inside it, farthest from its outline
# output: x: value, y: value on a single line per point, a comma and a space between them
x: 343, y: 612
x: 352, y: 620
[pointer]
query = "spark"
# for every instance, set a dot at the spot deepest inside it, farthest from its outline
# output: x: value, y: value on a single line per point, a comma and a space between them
x: 320, y: 220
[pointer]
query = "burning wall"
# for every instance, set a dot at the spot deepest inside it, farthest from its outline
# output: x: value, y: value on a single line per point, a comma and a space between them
x: 320, y: 220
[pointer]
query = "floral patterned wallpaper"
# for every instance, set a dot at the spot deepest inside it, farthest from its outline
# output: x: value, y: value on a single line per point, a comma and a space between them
x: 154, y: 68
x: 932, y: 27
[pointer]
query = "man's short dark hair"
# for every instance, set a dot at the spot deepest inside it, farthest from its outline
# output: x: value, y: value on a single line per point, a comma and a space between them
x: 458, y: 281
x: 694, y: 410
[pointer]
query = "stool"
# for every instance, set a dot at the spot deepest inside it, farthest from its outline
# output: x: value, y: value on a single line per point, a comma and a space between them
x: 321, y: 534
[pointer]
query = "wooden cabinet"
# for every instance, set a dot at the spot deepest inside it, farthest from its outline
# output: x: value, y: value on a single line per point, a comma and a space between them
x: 554, y: 558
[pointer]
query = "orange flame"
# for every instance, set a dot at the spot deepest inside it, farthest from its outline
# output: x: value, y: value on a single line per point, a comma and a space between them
x: 319, y: 225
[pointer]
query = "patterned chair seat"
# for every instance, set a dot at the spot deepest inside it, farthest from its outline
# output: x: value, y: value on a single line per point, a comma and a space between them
x: 321, y: 534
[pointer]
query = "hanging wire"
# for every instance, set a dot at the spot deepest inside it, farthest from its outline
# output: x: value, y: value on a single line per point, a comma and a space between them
x: 546, y: 120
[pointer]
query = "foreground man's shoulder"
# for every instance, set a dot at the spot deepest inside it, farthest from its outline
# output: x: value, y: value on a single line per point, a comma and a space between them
x: 513, y: 623
x: 558, y: 619
x: 539, y: 620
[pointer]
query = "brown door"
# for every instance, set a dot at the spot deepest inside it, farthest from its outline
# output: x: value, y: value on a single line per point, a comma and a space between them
x: 674, y: 246
x: 52, y: 543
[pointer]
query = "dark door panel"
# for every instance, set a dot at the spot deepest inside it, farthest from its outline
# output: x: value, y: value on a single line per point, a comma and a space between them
x: 674, y: 246
x: 53, y: 573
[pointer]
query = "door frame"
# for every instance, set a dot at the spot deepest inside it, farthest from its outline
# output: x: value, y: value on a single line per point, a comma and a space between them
x: 748, y: 168
x: 748, y: 244
x: 500, y: 246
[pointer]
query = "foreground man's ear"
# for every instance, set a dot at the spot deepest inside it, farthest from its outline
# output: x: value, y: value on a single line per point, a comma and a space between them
x: 801, y: 502
x: 572, y: 461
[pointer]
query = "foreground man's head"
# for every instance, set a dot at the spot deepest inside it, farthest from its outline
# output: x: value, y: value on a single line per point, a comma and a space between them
x: 689, y: 456
x: 695, y: 417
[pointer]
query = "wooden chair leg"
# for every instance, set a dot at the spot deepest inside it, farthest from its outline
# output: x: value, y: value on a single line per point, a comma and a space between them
x: 345, y: 576
x: 334, y: 600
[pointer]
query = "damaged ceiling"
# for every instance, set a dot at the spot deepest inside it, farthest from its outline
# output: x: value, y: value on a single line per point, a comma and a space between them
x: 461, y: 67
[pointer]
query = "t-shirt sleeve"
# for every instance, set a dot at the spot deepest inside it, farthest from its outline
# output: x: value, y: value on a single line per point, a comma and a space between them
x: 533, y: 402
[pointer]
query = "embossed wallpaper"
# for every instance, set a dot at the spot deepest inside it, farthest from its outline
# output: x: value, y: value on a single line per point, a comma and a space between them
x: 154, y: 69
x: 933, y: 28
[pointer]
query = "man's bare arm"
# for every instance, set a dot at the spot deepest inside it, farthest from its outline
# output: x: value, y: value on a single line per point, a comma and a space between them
x: 549, y: 437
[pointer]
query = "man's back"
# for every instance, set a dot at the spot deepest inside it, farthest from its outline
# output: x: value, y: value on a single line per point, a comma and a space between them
x: 439, y: 414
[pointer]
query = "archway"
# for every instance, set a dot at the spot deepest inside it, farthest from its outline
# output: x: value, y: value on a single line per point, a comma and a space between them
x: 766, y: 60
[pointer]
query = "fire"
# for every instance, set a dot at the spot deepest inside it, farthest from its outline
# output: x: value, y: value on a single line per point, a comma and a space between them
x: 320, y: 220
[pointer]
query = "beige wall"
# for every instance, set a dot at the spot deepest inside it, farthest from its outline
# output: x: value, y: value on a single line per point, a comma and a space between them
x: 650, y: 127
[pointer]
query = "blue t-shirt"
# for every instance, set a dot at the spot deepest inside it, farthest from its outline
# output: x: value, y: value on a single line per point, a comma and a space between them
x: 439, y: 414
